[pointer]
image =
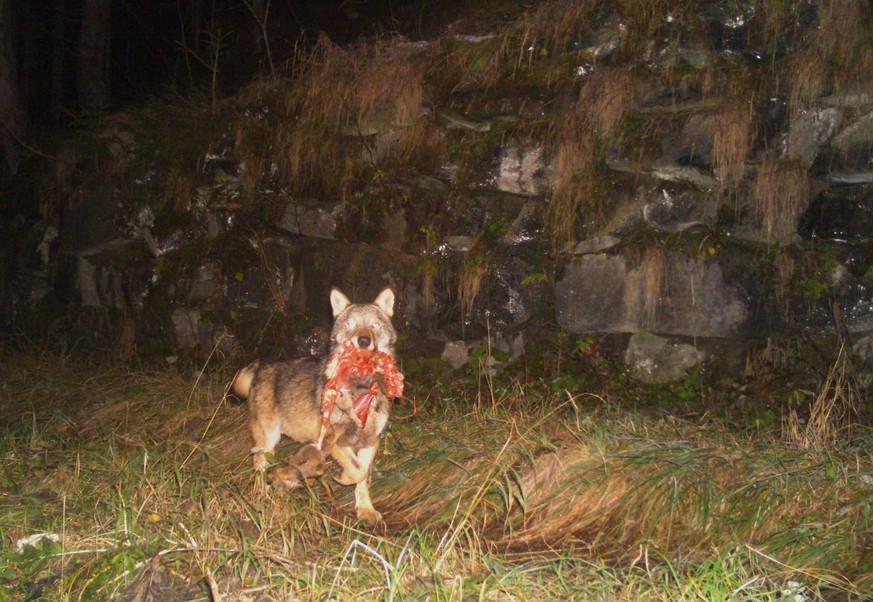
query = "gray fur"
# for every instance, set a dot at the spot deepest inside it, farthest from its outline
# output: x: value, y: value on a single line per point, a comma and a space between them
x: 285, y: 398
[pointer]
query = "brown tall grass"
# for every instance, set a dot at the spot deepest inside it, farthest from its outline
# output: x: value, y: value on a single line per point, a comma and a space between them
x: 773, y: 12
x: 779, y: 195
x: 839, y: 57
x: 428, y: 284
x: 576, y: 137
x: 834, y: 412
x: 422, y: 143
x: 655, y: 270
x: 384, y: 79
x: 605, y: 498
x: 544, y: 30
x: 843, y: 30
x: 144, y: 477
x: 809, y: 79
x: 845, y: 37
x: 645, y: 19
x: 470, y: 279
x: 459, y: 67
x: 340, y: 90
x: 574, y: 165
x: 312, y: 135
x: 607, y: 97
x: 732, y: 141
x: 574, y: 146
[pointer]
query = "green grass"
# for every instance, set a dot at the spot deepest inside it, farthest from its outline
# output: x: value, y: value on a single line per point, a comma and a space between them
x: 143, y: 481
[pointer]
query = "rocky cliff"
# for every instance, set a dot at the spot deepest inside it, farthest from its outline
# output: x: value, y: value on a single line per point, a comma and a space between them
x: 700, y: 170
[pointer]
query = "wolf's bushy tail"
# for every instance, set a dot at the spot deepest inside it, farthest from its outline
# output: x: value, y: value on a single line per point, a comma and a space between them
x: 242, y: 382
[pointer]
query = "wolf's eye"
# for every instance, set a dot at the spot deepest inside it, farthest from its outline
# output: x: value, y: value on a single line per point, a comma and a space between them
x: 376, y: 326
x: 352, y: 324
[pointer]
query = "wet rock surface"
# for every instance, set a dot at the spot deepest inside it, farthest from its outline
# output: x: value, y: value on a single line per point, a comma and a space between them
x: 619, y: 179
x: 603, y: 293
x: 654, y: 359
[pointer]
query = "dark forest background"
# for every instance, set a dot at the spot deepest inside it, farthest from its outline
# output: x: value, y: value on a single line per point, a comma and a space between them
x: 62, y: 60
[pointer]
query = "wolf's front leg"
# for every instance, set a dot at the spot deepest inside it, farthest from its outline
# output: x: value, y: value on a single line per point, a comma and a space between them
x: 356, y: 471
x: 363, y: 504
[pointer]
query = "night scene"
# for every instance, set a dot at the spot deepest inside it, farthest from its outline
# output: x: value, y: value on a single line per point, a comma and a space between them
x: 436, y: 300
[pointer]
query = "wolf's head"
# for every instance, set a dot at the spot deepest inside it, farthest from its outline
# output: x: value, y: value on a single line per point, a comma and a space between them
x: 366, y: 325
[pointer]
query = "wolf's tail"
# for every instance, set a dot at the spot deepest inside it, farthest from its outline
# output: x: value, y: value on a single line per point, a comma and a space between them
x: 242, y: 382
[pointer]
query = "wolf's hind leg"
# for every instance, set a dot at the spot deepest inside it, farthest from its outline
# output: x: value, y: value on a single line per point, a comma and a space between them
x: 265, y: 436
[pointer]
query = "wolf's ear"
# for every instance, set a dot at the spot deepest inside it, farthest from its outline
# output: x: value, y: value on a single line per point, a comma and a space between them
x: 338, y: 301
x: 385, y: 302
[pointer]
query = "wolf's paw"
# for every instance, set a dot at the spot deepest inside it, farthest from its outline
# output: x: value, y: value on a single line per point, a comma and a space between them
x: 371, y: 516
x: 259, y: 460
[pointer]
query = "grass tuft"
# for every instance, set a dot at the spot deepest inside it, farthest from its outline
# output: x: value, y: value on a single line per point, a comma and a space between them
x: 545, y: 30
x: 655, y: 269
x: 470, y: 280
x: 732, y: 142
x: 575, y: 153
x: 779, y: 195
x: 607, y: 97
x: 341, y: 98
x: 808, y: 80
x: 833, y: 413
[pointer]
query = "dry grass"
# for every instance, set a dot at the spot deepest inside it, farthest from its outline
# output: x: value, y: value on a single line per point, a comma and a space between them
x: 655, y: 269
x: 343, y: 88
x: 575, y: 153
x: 839, y: 58
x: 782, y: 25
x: 470, y: 279
x: 457, y: 67
x: 644, y: 20
x: 428, y: 285
x: 778, y: 356
x: 607, y: 97
x: 422, y: 143
x: 429, y: 269
x: 843, y: 40
x: 732, y: 143
x: 774, y: 11
x: 575, y: 138
x: 252, y: 142
x: 779, y: 195
x: 687, y: 491
x: 311, y: 133
x: 833, y: 413
x: 545, y: 30
x: 144, y: 477
x: 809, y: 73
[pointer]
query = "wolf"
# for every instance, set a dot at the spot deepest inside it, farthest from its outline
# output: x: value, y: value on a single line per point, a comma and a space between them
x: 285, y: 398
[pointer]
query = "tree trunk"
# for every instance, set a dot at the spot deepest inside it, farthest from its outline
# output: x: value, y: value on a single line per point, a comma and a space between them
x: 91, y: 70
x: 11, y: 111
